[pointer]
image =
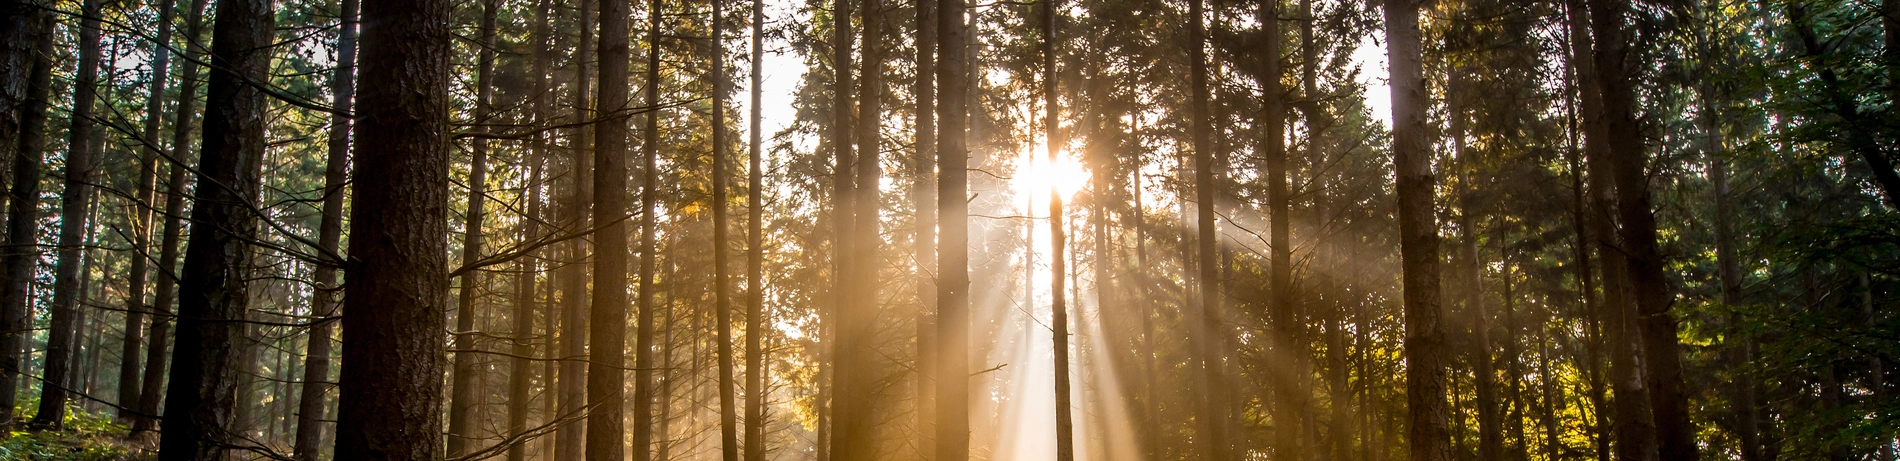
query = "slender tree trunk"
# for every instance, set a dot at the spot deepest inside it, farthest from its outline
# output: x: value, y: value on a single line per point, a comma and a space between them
x: 213, y: 295
x: 336, y: 174
x: 953, y: 211
x: 23, y: 224
x: 924, y: 237
x: 72, y: 225
x: 858, y: 372
x: 1484, y: 371
x: 755, y: 251
x: 570, y: 439
x: 1661, y: 356
x: 153, y: 384
x: 393, y: 354
x: 464, y: 398
x: 643, y: 397
x: 1051, y: 124
x: 134, y: 331
x: 1202, y: 320
x: 607, y: 328
x: 1418, y: 232
x: 729, y: 448
x: 1729, y: 274
x: 1289, y: 418
x: 520, y: 368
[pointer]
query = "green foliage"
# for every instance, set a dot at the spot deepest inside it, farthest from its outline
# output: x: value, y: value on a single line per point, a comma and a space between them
x: 85, y: 436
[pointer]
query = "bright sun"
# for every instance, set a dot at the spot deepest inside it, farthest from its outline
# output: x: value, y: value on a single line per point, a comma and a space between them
x: 1039, y: 174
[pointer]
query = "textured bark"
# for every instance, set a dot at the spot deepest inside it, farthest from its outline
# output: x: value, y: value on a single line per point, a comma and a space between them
x: 953, y: 212
x: 74, y: 201
x: 396, y: 289
x: 464, y: 398
x: 213, y: 293
x: 1425, y: 354
x: 755, y: 251
x: 1662, y: 359
x: 607, y: 328
x: 23, y: 205
x: 1203, y: 318
x: 1058, y: 306
x: 643, y: 395
x: 570, y: 439
x: 336, y: 174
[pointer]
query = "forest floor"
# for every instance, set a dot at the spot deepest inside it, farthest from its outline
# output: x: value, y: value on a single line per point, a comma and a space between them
x: 87, y: 436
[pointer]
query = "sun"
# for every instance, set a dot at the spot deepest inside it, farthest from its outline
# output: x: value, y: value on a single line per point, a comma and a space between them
x: 1036, y: 174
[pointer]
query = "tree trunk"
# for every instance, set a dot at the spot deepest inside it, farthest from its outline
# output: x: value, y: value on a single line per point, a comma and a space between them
x: 1661, y: 357
x: 570, y: 439
x: 924, y: 237
x: 464, y: 398
x: 393, y: 304
x: 953, y: 211
x: 729, y: 448
x: 134, y: 331
x: 213, y: 294
x: 520, y: 368
x: 755, y: 251
x: 858, y: 371
x: 23, y: 212
x: 1051, y: 124
x: 156, y: 356
x: 74, y: 201
x: 649, y: 224
x: 1418, y: 234
x: 607, y: 326
x: 1729, y: 274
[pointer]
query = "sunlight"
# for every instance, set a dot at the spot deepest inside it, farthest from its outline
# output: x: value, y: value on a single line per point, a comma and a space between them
x: 1066, y: 174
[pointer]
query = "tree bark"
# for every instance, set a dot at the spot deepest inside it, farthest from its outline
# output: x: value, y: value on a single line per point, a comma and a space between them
x: 570, y: 439
x: 156, y: 357
x: 213, y: 294
x: 393, y: 303
x: 755, y: 251
x: 336, y: 175
x: 729, y: 448
x: 520, y: 370
x: 1059, y: 320
x: 858, y: 371
x: 36, y: 29
x: 1204, y: 319
x: 463, y: 396
x: 953, y: 211
x: 1418, y: 234
x: 74, y: 201
x: 607, y: 327
x: 136, y: 283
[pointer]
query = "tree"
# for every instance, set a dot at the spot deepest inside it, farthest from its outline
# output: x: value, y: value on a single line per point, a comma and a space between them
x: 75, y: 200
x: 316, y: 370
x: 394, y: 303
x: 1418, y: 234
x: 25, y: 149
x: 953, y: 243
x: 213, y: 294
x: 755, y: 250
x: 607, y: 329
x: 462, y: 394
x: 1059, y: 320
x: 649, y: 227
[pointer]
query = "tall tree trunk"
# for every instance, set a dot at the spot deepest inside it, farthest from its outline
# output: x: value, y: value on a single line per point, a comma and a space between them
x: 394, y: 303
x: 213, y: 294
x: 643, y: 397
x: 23, y: 224
x: 72, y: 225
x: 1202, y: 320
x: 755, y: 250
x: 1051, y: 124
x: 570, y: 439
x: 133, y: 339
x: 336, y: 174
x: 722, y: 298
x: 953, y: 211
x: 607, y: 326
x: 1289, y: 418
x: 924, y: 236
x: 1632, y: 427
x: 1729, y: 274
x: 1425, y: 354
x: 858, y: 371
x: 1484, y: 371
x: 464, y: 398
x: 1662, y: 359
x: 156, y: 356
x: 520, y: 368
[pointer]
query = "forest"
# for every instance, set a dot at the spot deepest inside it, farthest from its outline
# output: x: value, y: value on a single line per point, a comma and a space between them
x: 949, y: 230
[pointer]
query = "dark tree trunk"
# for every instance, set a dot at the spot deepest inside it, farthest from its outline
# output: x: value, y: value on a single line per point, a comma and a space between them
x: 1059, y: 319
x: 156, y: 357
x: 1729, y: 274
x: 1662, y: 359
x: 464, y: 398
x: 842, y: 199
x: 857, y: 371
x: 649, y: 226
x: 924, y: 237
x: 74, y: 201
x: 1203, y: 319
x: 729, y: 449
x: 1425, y: 354
x: 607, y: 328
x: 755, y: 252
x: 520, y: 368
x: 953, y: 211
x: 23, y: 213
x: 213, y: 294
x: 316, y: 372
x: 570, y: 439
x: 393, y: 304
